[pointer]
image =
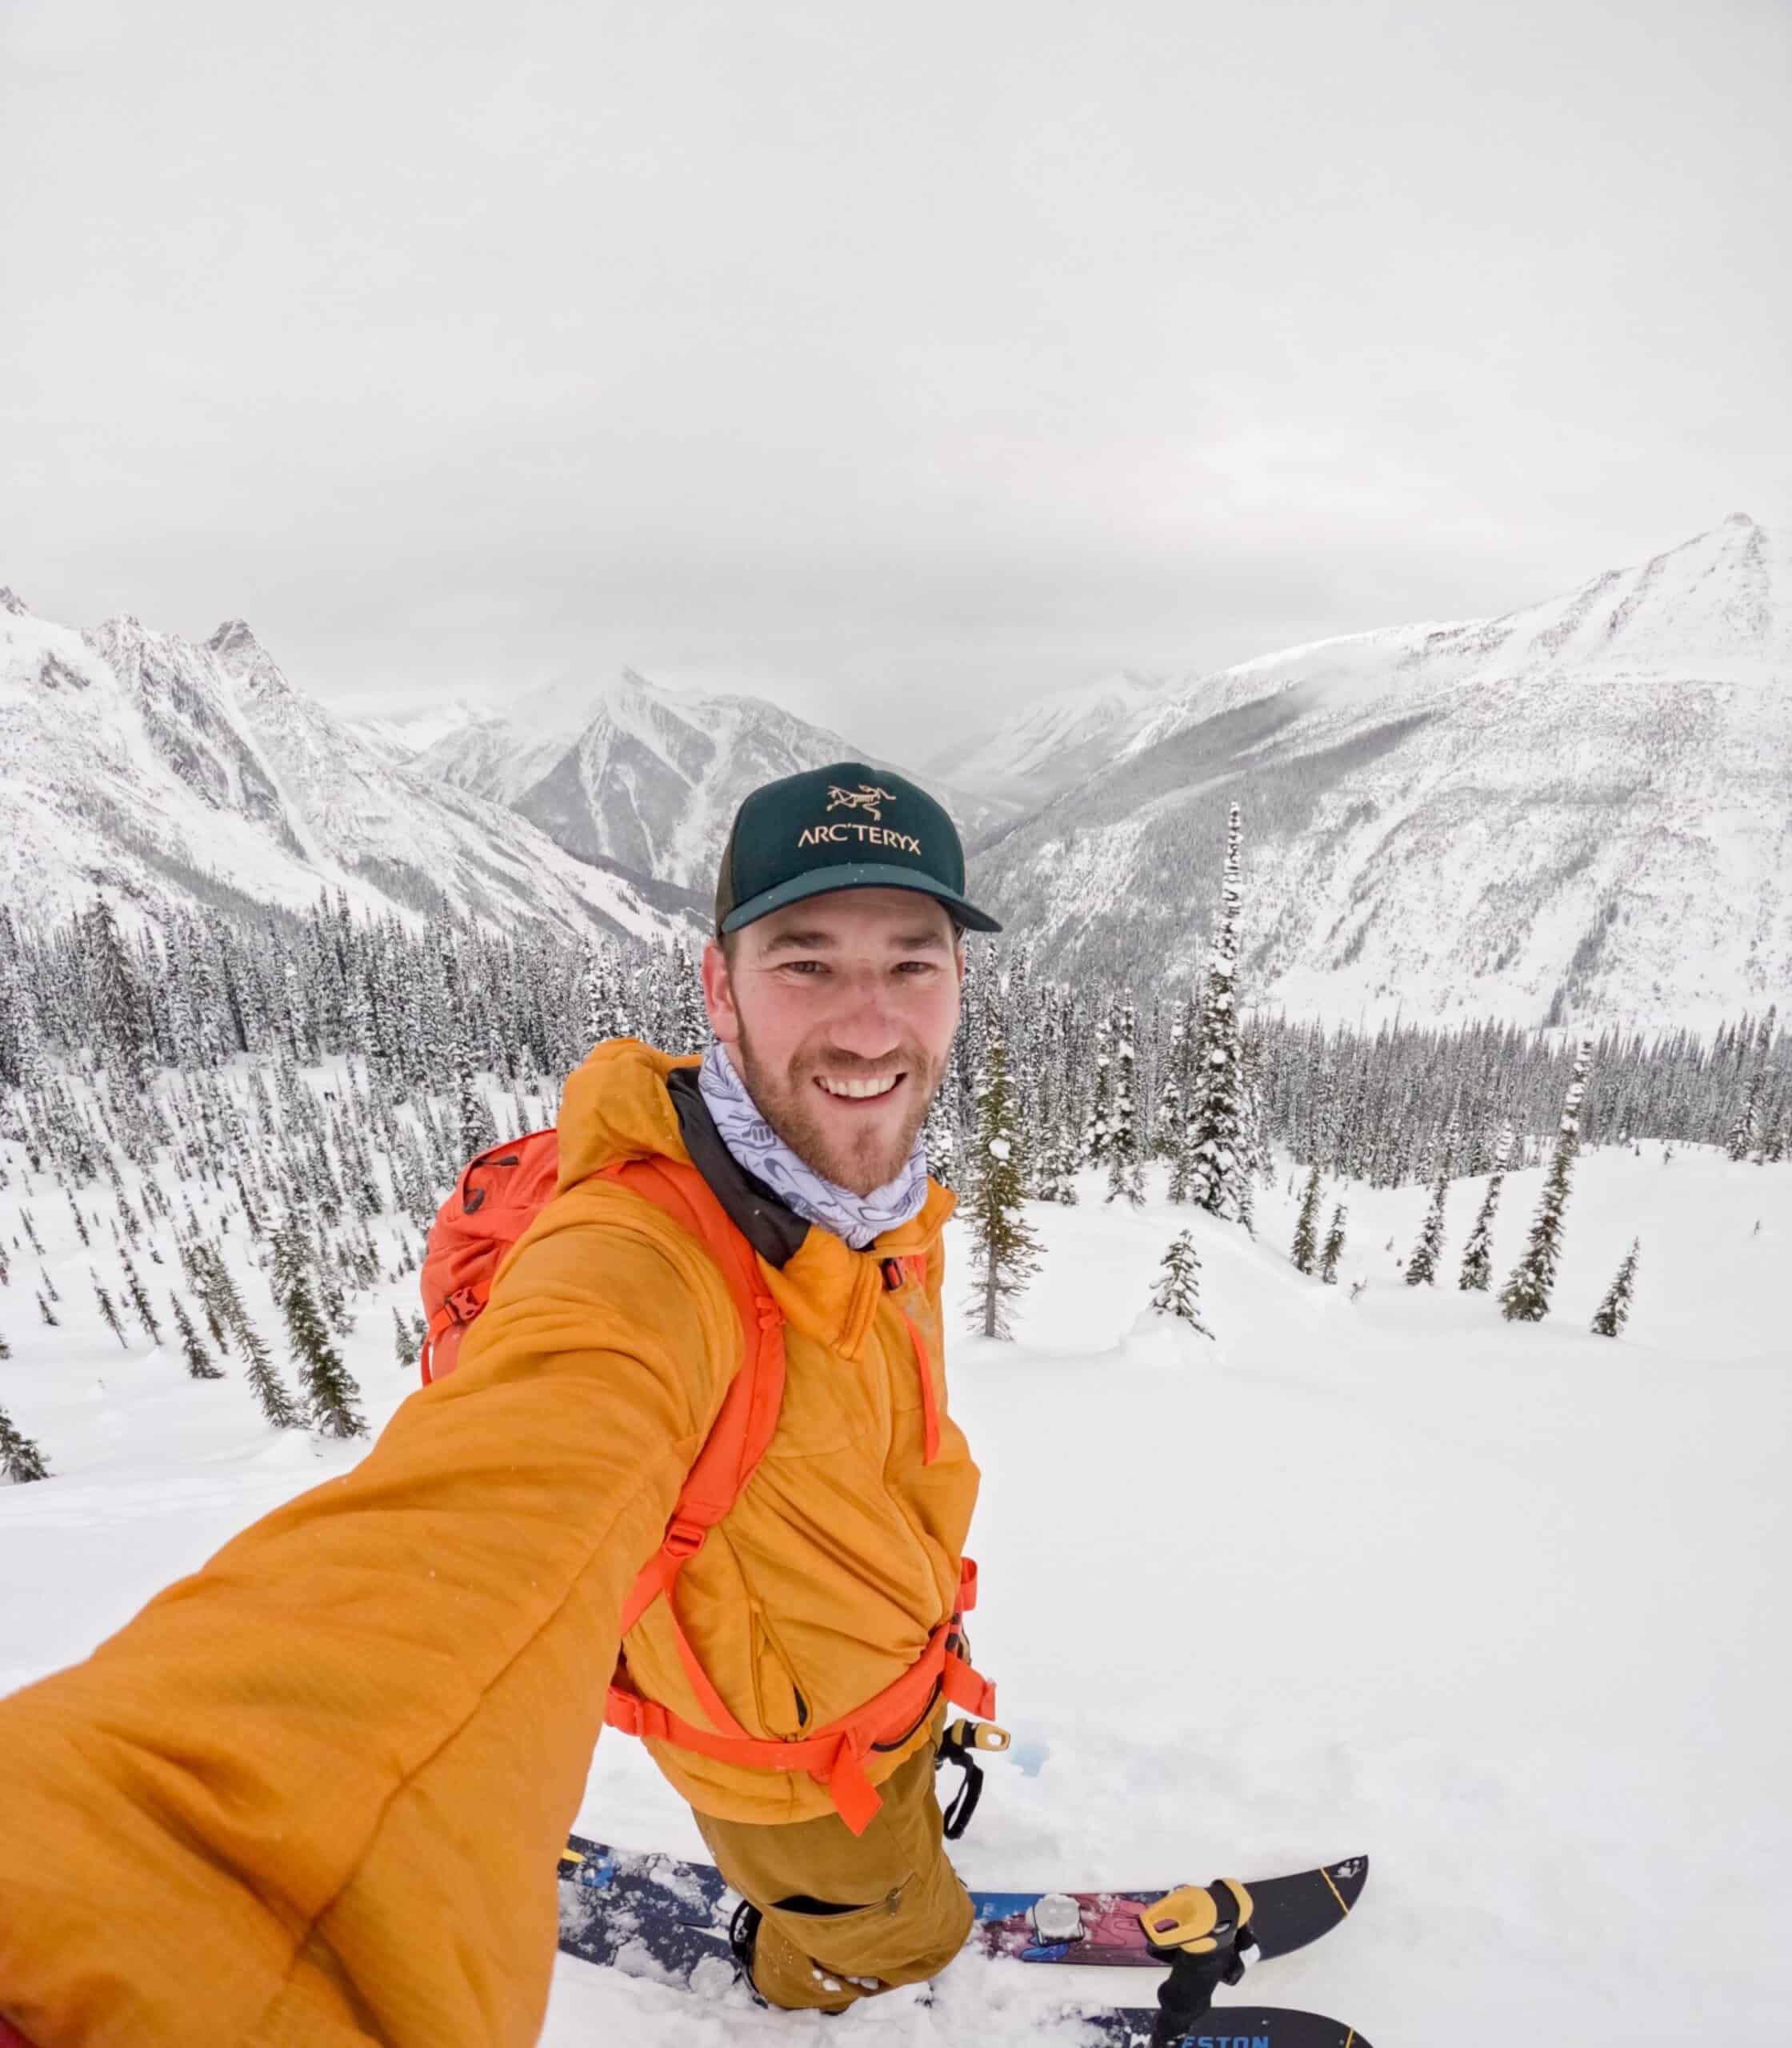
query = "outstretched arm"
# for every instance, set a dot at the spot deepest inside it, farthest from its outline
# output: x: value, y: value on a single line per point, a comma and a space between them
x: 312, y: 1794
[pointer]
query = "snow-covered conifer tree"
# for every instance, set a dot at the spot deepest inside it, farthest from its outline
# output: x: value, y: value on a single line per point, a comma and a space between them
x: 140, y: 1300
x: 1422, y: 1266
x: 324, y: 1381
x: 1217, y: 1110
x: 1477, y: 1256
x: 218, y: 1286
x: 939, y: 1133
x: 1100, y: 1095
x: 1526, y: 1296
x: 1612, y: 1314
x: 1124, y: 1175
x: 1306, y: 1224
x: 193, y: 1345
x: 1177, y: 1291
x: 109, y: 1312
x: 1004, y: 1250
x: 1333, y: 1249
x: 21, y: 1461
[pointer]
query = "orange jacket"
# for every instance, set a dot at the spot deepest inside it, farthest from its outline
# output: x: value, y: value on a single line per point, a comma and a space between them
x: 313, y: 1794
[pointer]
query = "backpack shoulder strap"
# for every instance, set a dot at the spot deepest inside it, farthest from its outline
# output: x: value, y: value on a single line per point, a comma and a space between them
x: 749, y: 1410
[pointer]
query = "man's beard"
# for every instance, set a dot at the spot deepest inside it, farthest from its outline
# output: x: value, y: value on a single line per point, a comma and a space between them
x: 860, y: 1160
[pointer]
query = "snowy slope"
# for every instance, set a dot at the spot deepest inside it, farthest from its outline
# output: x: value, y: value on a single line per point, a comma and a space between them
x: 162, y: 772
x: 1500, y: 1604
x: 1592, y: 794
x: 630, y: 771
x: 1058, y: 740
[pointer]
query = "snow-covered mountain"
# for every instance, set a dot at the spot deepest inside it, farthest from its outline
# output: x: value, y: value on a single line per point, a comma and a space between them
x: 402, y: 735
x: 1056, y: 740
x: 628, y: 770
x: 1592, y: 795
x: 162, y: 772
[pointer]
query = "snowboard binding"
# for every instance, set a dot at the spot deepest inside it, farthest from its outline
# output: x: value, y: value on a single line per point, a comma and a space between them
x: 1202, y: 1932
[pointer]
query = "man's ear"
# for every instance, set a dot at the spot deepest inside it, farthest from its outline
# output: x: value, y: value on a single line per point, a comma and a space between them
x: 718, y: 993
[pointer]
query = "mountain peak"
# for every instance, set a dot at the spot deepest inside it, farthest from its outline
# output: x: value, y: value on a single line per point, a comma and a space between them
x: 234, y: 637
x: 11, y: 601
x: 1738, y: 519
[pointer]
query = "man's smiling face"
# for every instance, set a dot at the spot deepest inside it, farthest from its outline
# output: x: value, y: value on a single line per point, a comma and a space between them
x: 839, y: 1012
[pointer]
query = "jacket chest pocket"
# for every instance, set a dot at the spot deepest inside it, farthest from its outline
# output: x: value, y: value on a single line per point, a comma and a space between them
x: 830, y: 1402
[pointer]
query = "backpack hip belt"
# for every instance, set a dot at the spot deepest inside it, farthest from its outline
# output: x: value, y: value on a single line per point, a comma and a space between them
x: 834, y: 1756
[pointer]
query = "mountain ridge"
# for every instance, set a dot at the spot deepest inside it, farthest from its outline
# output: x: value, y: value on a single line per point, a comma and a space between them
x: 166, y: 772
x: 1529, y: 815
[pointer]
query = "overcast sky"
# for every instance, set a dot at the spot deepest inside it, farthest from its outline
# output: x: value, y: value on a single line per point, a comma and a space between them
x: 901, y: 362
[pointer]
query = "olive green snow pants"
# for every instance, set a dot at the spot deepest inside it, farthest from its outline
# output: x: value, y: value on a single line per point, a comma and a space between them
x: 847, y: 1916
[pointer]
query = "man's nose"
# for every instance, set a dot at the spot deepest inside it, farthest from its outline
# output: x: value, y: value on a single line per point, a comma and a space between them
x: 866, y: 1025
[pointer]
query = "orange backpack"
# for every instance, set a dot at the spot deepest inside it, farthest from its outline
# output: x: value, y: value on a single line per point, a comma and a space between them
x: 504, y: 1189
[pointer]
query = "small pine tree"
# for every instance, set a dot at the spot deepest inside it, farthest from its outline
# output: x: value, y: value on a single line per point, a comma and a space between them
x: 1525, y: 1295
x: 1333, y: 1248
x: 402, y: 1348
x: 109, y: 1311
x: 1004, y: 1250
x: 1477, y: 1274
x: 44, y: 1311
x: 1613, y: 1311
x: 328, y: 1386
x: 1422, y: 1266
x: 193, y: 1345
x: 1306, y: 1223
x: 276, y: 1404
x: 1177, y: 1291
x: 140, y: 1301
x: 21, y: 1461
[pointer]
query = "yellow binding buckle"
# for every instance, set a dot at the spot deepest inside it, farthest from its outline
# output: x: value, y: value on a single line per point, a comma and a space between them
x: 1198, y: 1918
x: 977, y: 1735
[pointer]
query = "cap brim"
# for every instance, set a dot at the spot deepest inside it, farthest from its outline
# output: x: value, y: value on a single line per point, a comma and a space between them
x: 857, y: 874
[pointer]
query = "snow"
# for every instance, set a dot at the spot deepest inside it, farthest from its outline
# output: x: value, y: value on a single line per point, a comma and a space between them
x: 1501, y: 1605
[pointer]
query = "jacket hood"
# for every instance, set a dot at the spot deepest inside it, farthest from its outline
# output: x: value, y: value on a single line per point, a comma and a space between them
x: 614, y: 1106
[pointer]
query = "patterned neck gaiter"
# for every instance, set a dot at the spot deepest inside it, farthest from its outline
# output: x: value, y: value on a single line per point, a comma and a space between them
x: 858, y: 1218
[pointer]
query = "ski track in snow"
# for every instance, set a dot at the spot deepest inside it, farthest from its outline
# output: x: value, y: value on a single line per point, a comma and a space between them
x: 1500, y: 1605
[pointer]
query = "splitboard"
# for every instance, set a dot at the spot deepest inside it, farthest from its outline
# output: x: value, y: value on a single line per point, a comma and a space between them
x: 1225, y: 2027
x: 661, y: 1918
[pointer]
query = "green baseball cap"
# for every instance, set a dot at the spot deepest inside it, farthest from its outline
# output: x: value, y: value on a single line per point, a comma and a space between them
x: 847, y: 827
